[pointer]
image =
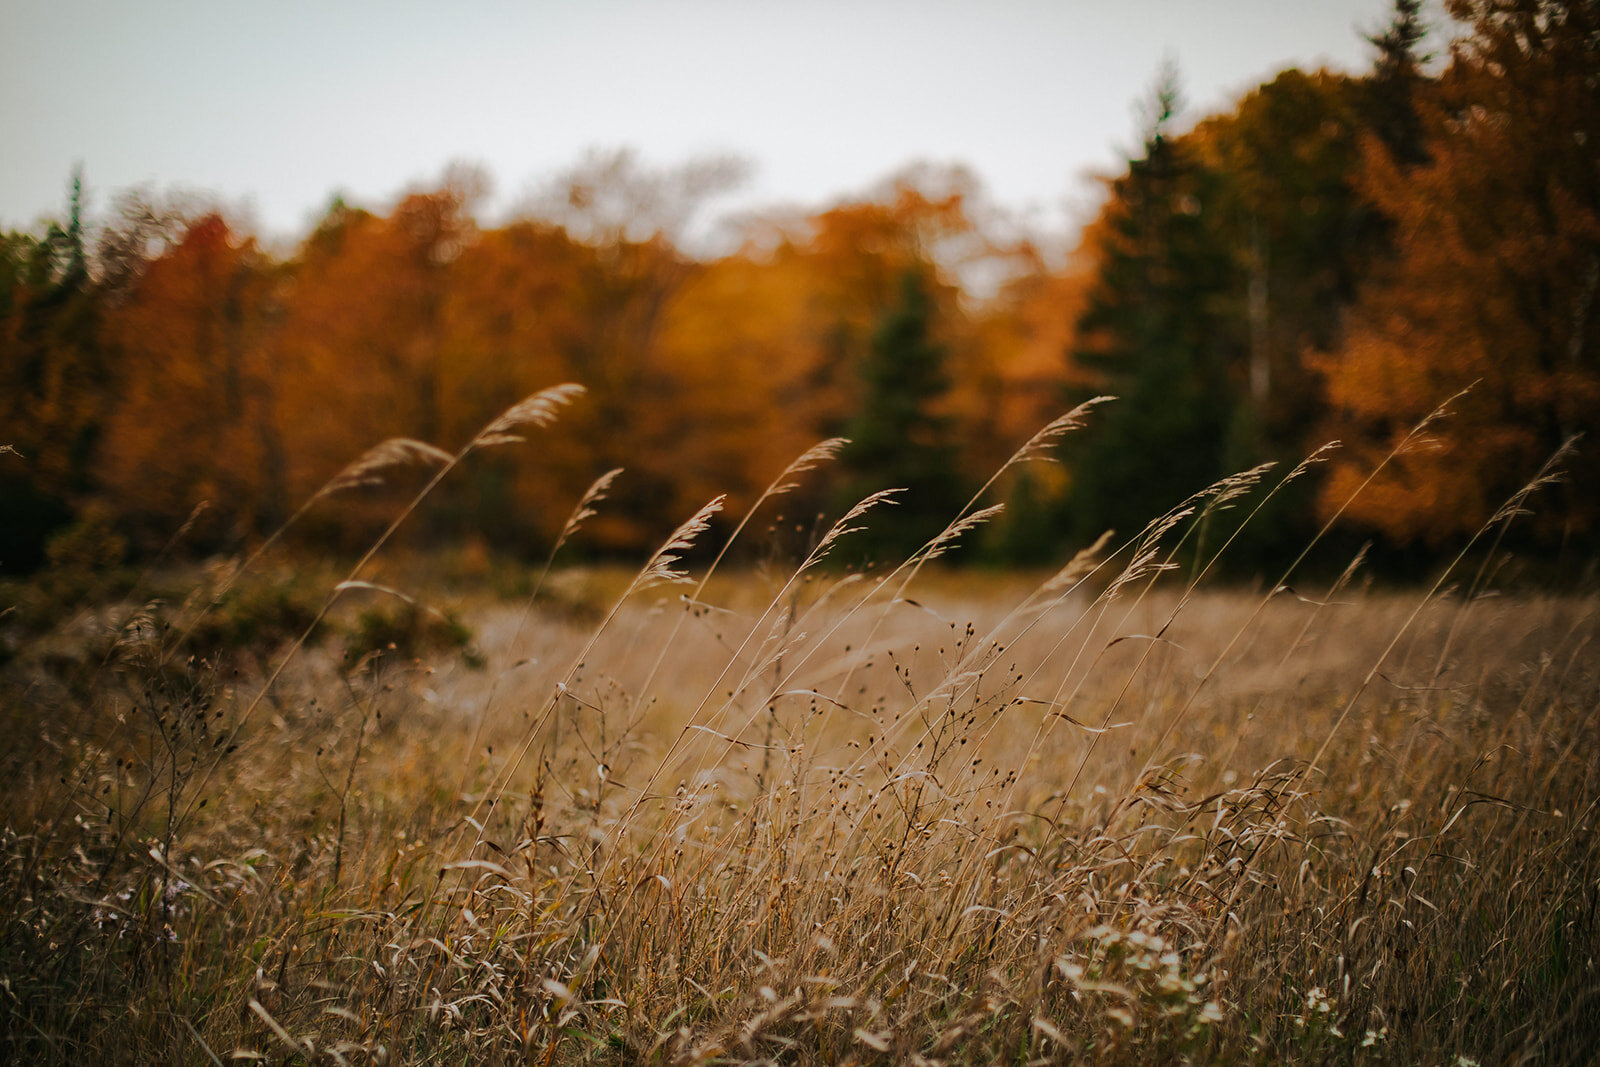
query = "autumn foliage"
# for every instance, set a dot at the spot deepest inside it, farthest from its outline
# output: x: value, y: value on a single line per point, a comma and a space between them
x: 1334, y: 257
x: 1492, y: 288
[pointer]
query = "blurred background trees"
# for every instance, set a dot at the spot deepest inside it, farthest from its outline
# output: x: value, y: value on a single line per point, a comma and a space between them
x: 1156, y: 334
x: 900, y: 437
x: 1492, y: 285
x: 55, y: 388
x: 1330, y: 257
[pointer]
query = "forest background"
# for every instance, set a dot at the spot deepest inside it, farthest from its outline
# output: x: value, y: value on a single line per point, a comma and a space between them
x: 1331, y: 259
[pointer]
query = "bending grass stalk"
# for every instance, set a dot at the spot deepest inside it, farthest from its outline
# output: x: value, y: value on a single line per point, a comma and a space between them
x: 1036, y: 447
x: 1218, y: 494
x: 817, y: 454
x: 840, y: 529
x: 1416, y: 431
x: 658, y: 569
x: 540, y: 409
x: 581, y: 513
x: 364, y: 471
x: 1505, y: 513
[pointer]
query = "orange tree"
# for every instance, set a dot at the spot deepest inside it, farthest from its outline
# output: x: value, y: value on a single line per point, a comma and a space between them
x: 1494, y: 286
x: 193, y: 421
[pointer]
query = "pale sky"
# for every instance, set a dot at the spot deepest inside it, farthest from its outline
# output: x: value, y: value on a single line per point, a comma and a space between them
x: 274, y: 105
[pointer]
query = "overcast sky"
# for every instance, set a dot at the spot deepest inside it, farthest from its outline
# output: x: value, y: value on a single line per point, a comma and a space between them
x: 274, y: 106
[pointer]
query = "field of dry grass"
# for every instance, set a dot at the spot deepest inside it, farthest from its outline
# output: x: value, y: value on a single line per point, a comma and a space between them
x: 1109, y: 815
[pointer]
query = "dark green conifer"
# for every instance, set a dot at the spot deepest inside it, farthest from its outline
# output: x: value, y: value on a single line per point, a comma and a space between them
x: 900, y: 438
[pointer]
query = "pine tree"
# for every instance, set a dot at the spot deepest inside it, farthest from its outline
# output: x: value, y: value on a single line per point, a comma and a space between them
x: 1395, y: 81
x: 55, y: 383
x: 1155, y: 334
x: 899, y: 437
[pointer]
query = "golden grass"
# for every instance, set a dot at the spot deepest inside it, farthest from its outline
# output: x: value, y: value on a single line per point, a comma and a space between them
x: 936, y: 816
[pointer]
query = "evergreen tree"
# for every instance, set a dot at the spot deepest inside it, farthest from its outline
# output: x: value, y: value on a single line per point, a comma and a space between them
x: 55, y: 383
x: 1155, y: 333
x: 1285, y: 213
x: 1396, y: 79
x: 899, y: 437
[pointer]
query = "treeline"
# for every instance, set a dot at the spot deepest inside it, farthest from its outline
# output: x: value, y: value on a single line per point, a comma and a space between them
x: 1333, y: 258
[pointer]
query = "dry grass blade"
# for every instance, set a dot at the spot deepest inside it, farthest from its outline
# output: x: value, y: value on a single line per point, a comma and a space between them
x: 1055, y: 713
x: 1083, y: 563
x: 952, y: 533
x: 810, y: 459
x: 368, y: 469
x: 1039, y: 445
x: 538, y: 410
x: 732, y: 740
x: 374, y: 587
x: 584, y: 511
x: 1234, y: 486
x: 277, y: 1028
x: 1549, y: 474
x: 660, y: 570
x: 842, y: 528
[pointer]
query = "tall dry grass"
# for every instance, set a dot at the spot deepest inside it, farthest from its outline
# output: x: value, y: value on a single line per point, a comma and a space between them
x: 1109, y: 815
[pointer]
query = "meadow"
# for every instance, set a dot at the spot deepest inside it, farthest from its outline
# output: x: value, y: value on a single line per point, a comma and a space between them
x: 699, y: 812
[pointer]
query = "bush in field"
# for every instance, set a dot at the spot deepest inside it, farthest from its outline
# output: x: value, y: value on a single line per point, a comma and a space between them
x: 257, y: 615
x: 409, y: 631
